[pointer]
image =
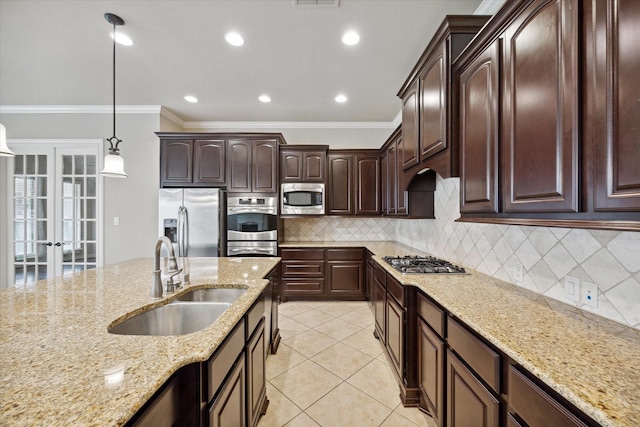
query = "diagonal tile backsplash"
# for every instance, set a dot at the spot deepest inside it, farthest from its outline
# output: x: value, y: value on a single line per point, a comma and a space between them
x: 610, y: 259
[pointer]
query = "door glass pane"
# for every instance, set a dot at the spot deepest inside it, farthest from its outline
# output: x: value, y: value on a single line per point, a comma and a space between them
x: 67, y: 208
x: 42, y: 186
x: 91, y: 208
x: 67, y: 231
x: 67, y: 165
x: 67, y: 187
x: 41, y: 211
x: 91, y: 187
x: 31, y: 164
x: 91, y: 165
x: 41, y: 233
x: 79, y: 165
x: 42, y: 164
x: 91, y: 230
x: 18, y: 164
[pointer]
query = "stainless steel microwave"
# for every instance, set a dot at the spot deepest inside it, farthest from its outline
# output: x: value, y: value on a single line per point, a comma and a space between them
x: 302, y: 199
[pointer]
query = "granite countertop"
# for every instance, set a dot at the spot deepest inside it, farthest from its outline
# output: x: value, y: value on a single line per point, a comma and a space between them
x: 589, y: 360
x: 56, y: 353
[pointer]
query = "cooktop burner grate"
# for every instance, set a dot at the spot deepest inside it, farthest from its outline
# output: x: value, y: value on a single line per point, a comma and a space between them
x: 423, y: 265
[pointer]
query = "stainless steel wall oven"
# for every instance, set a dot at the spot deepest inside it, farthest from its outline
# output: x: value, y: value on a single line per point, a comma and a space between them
x: 252, y: 226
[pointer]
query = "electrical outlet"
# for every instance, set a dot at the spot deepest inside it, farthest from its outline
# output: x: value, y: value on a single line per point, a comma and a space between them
x: 519, y: 273
x: 116, y: 220
x: 572, y: 288
x: 590, y: 294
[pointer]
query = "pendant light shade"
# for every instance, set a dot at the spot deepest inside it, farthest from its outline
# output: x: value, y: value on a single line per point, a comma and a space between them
x: 4, y: 150
x: 113, y: 163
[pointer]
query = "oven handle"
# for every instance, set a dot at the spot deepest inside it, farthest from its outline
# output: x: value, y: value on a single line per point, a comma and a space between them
x: 268, y: 251
x: 242, y: 210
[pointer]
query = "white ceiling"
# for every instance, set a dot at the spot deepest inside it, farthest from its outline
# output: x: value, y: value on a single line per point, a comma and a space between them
x: 59, y: 53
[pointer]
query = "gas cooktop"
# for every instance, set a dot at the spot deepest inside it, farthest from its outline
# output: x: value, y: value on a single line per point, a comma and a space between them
x: 423, y: 265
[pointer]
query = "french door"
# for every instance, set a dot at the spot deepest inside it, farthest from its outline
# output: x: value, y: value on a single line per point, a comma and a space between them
x: 57, y: 194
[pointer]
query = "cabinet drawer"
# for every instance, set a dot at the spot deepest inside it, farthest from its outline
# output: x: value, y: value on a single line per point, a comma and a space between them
x: 301, y: 254
x: 535, y: 406
x: 380, y: 274
x: 396, y: 289
x: 345, y: 254
x: 254, y: 315
x: 478, y: 355
x: 220, y: 364
x: 303, y: 286
x: 303, y: 268
x: 432, y: 314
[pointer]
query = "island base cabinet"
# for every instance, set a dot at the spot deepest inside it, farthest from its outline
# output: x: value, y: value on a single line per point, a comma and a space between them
x: 174, y: 404
x: 256, y: 376
x: 469, y: 402
x: 430, y: 371
x: 229, y: 408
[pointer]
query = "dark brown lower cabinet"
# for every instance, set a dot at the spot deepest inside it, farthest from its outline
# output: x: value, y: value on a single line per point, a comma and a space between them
x: 395, y: 334
x: 431, y: 355
x: 379, y: 304
x: 229, y: 408
x: 537, y: 408
x: 469, y: 402
x: 256, y: 376
x: 323, y: 273
x: 175, y: 404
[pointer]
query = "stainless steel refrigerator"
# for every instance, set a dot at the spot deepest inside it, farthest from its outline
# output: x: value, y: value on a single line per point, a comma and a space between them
x: 194, y: 219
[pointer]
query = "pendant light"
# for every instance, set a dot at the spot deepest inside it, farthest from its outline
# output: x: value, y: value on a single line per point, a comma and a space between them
x: 113, y: 163
x: 4, y: 150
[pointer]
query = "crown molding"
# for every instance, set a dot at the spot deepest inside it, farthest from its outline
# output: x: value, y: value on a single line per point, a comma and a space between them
x: 168, y: 114
x: 79, y: 109
x: 288, y: 125
x: 489, y: 7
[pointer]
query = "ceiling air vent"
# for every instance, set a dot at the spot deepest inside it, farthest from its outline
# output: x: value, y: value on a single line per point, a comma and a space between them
x: 316, y: 3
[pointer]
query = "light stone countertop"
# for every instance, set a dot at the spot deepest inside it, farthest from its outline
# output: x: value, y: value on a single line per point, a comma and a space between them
x: 589, y: 360
x: 55, y: 348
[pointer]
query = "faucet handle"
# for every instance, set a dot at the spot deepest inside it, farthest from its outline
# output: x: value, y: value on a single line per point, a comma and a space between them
x: 171, y: 284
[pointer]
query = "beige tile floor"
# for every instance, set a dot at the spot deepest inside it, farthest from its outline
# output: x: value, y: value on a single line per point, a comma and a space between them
x: 330, y: 371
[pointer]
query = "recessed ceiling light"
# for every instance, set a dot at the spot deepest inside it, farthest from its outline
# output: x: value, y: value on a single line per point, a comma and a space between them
x: 122, y: 39
x: 350, y: 38
x: 234, y: 39
x: 341, y: 98
x: 264, y: 98
x: 191, y: 98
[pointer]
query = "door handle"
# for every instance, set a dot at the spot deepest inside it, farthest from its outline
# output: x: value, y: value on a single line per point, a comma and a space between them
x: 47, y: 244
x: 57, y: 244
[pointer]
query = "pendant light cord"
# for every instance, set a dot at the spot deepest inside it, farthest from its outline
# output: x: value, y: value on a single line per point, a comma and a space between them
x: 114, y: 149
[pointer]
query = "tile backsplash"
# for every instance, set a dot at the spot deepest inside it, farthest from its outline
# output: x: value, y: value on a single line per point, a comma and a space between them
x: 610, y: 259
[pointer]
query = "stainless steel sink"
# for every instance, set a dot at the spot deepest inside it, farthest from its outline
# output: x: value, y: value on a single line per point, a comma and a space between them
x: 226, y: 295
x: 176, y: 318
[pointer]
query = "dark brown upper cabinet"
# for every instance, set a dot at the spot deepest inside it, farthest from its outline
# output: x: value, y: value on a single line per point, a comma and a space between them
x: 252, y: 166
x: 541, y: 108
x: 479, y: 121
x: 394, y: 196
x: 192, y: 162
x: 353, y: 182
x: 612, y: 113
x: 426, y: 100
x: 306, y: 163
x: 567, y: 146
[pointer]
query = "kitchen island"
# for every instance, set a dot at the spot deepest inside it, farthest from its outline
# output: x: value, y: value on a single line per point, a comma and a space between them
x: 588, y: 360
x: 61, y: 366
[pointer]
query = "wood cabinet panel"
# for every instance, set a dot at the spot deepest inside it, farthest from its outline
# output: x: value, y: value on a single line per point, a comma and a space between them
x: 431, y: 353
x: 229, y: 407
x: 433, y: 315
x: 302, y: 164
x: 303, y: 269
x: 541, y: 119
x: 345, y: 278
x: 224, y: 358
x: 479, y: 136
x: 475, y: 353
x: 409, y: 156
x: 392, y: 178
x: 379, y: 304
x: 209, y: 162
x: 394, y: 314
x: 433, y: 104
x: 367, y: 194
x: 303, y: 287
x: 239, y: 165
x: 265, y: 166
x: 297, y: 254
x: 613, y: 77
x: 340, y: 191
x: 535, y: 406
x: 176, y: 167
x: 469, y: 403
x: 314, y: 166
x: 401, y: 196
x: 256, y: 375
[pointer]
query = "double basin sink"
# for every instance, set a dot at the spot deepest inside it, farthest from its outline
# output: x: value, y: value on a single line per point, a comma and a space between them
x: 188, y: 313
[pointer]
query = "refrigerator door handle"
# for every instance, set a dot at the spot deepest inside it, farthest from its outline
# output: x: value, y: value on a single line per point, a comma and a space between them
x: 185, y: 232
x: 181, y: 220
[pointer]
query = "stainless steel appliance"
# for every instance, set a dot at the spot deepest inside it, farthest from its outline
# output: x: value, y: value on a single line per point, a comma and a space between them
x: 252, y: 226
x: 194, y: 219
x: 423, y: 264
x: 302, y: 199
